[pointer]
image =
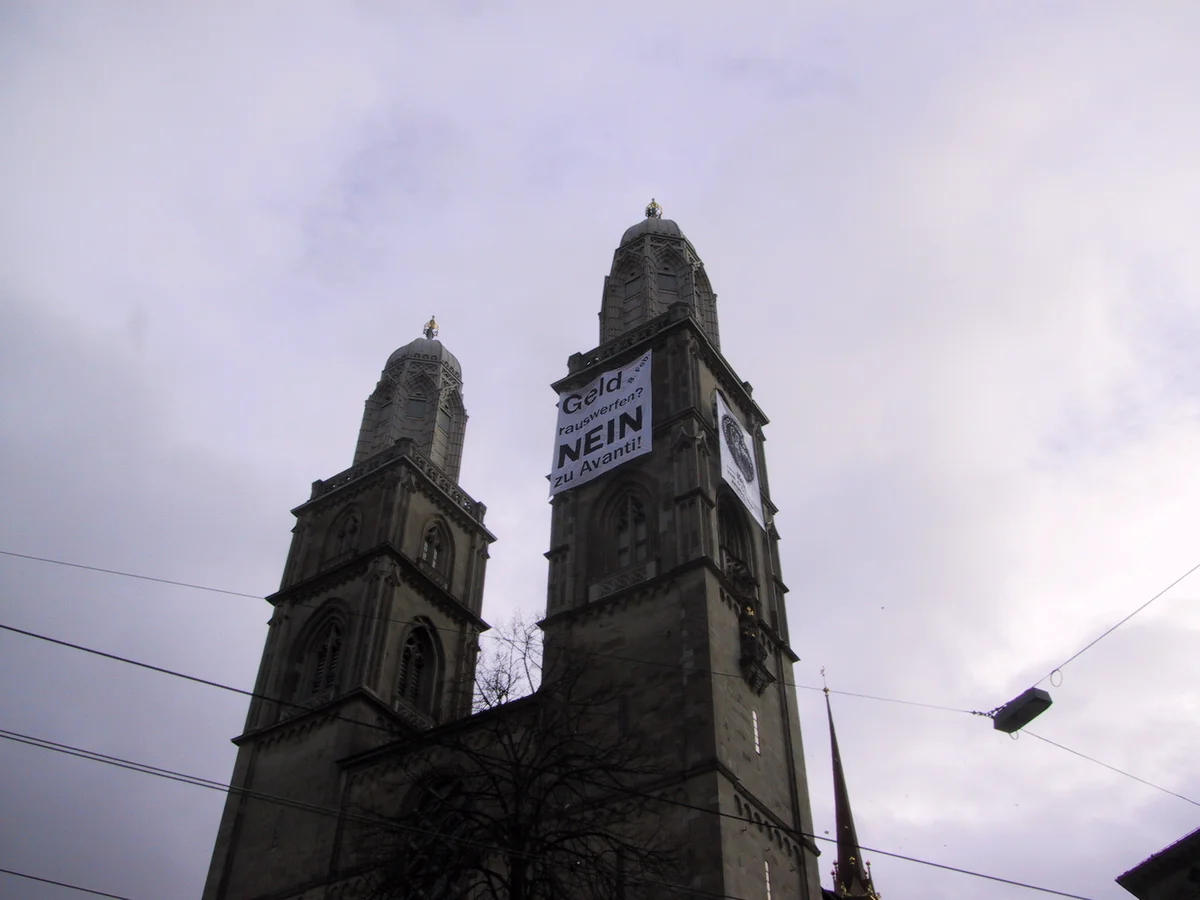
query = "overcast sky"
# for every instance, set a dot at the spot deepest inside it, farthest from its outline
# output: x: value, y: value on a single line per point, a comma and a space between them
x: 955, y: 251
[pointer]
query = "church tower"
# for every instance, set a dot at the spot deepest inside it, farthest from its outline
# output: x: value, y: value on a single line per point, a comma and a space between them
x: 664, y: 569
x: 374, y: 630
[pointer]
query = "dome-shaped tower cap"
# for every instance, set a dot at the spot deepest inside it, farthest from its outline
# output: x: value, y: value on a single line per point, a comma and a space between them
x: 654, y: 223
x: 426, y: 348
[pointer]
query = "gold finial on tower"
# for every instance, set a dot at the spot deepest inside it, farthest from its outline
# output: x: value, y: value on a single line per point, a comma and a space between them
x: 431, y: 328
x: 653, y: 210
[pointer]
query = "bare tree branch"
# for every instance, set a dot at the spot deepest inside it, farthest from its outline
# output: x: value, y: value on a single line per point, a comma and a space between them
x: 535, y: 797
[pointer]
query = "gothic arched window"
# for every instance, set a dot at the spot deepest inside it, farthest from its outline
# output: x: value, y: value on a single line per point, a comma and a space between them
x: 418, y: 669
x: 433, y: 864
x: 435, y: 549
x: 326, y: 657
x: 632, y: 533
x: 343, y: 536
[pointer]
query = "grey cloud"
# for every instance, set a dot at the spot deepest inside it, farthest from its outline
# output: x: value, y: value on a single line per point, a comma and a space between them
x: 963, y: 294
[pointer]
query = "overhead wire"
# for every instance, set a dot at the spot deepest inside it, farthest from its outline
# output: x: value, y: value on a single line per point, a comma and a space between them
x: 806, y: 687
x: 1105, y: 634
x: 1111, y: 767
x: 116, y: 657
x: 490, y: 636
x: 302, y: 707
x: 74, y: 565
x: 253, y: 694
x: 380, y: 821
x: 224, y: 787
x: 370, y: 725
x: 198, y: 781
x: 63, y: 884
x: 656, y: 663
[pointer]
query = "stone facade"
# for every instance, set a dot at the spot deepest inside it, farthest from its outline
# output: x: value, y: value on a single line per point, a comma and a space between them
x: 374, y: 636
x: 696, y: 628
x: 657, y: 576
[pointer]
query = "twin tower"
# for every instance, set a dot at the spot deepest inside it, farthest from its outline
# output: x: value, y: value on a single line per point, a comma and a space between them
x: 663, y: 569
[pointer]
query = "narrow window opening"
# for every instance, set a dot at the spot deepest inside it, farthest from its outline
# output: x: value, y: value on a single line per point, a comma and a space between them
x: 754, y: 721
x: 346, y: 537
x: 444, y: 420
x: 632, y: 534
x: 328, y: 655
x: 417, y: 407
x: 435, y: 550
x: 414, y: 681
x: 632, y: 286
x: 668, y: 282
x: 734, y: 541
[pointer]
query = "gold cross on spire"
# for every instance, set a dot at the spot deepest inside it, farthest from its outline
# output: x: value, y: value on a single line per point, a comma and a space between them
x: 431, y: 328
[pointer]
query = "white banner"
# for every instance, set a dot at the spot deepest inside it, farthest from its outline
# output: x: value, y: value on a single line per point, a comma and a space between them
x: 738, y: 466
x: 602, y: 425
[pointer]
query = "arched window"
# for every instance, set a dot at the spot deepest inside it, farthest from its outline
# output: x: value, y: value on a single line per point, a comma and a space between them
x: 633, y: 542
x: 343, y: 534
x: 418, y: 669
x: 326, y: 655
x: 433, y: 865
x: 735, y: 542
x: 435, y: 549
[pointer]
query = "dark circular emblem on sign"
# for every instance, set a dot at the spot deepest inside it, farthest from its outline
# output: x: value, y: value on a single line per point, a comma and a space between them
x: 737, y: 446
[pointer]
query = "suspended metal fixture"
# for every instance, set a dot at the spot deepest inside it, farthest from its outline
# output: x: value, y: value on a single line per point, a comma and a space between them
x: 1020, y: 711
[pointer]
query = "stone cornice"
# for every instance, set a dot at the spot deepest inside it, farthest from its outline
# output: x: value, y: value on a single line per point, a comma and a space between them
x: 303, y: 721
x: 398, y: 459
x: 623, y: 598
x: 583, y: 367
x: 408, y: 571
x: 434, y: 737
x: 643, y: 591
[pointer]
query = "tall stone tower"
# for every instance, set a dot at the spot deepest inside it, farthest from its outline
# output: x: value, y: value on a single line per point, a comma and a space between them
x: 664, y: 567
x: 664, y: 579
x: 374, y: 631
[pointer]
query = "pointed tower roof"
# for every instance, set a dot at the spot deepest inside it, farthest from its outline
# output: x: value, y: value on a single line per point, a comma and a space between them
x: 851, y: 876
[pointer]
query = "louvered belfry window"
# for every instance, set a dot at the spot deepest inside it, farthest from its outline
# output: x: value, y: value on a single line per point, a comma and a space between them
x: 415, y: 680
x: 328, y: 656
x: 632, y: 537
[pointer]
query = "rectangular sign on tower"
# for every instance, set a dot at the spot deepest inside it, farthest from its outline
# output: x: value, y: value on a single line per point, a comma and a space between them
x: 738, y: 464
x: 601, y: 425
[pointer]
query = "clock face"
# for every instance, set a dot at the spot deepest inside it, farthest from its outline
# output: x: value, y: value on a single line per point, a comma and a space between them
x: 737, y: 446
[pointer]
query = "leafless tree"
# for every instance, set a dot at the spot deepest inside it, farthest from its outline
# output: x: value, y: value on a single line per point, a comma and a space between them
x: 537, y: 797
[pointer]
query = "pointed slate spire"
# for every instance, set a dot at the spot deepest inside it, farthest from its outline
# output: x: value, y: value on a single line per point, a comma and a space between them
x: 851, y: 876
